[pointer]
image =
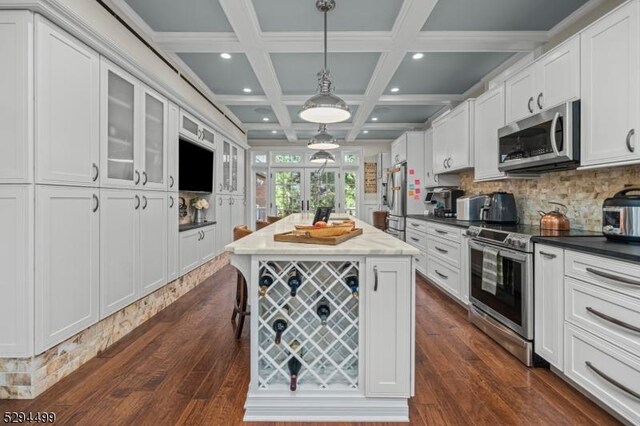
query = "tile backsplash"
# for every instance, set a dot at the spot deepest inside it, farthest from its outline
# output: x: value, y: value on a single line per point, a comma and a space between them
x: 581, y: 191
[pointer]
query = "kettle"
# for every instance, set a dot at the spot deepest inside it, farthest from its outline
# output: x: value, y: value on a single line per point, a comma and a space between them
x: 555, y: 220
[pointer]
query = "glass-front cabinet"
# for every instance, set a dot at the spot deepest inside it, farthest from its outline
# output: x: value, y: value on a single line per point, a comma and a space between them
x: 155, y: 137
x: 231, y: 169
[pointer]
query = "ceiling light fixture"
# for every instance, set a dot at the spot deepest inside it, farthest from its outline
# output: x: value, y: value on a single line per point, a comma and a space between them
x: 325, y: 107
x: 322, y: 157
x: 265, y: 118
x: 274, y: 131
x: 246, y: 90
x: 365, y: 131
x: 323, y: 140
x: 225, y: 56
x: 374, y: 118
x: 418, y: 55
x: 395, y: 89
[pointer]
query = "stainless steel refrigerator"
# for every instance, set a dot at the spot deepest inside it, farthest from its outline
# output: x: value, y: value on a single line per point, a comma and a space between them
x: 396, y: 200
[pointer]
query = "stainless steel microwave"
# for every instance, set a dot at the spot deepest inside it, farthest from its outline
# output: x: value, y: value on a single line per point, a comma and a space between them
x: 547, y: 141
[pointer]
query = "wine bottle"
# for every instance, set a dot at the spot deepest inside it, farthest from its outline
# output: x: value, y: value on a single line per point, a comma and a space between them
x: 294, y: 365
x: 279, y: 326
x: 323, y: 310
x: 352, y: 282
x: 266, y: 278
x: 294, y: 281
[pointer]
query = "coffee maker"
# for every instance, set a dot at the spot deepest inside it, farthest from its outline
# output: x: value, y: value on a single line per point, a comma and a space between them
x: 442, y: 201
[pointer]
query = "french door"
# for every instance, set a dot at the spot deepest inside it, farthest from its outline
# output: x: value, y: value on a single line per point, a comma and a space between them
x: 305, y: 189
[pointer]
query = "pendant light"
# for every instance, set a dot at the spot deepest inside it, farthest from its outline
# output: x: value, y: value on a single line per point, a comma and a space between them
x: 325, y: 107
x: 322, y: 157
x: 323, y: 140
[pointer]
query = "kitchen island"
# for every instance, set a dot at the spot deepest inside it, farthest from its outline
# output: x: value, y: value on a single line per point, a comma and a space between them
x: 332, y: 327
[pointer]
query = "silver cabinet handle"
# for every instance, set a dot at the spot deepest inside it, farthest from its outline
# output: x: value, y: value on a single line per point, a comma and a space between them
x: 96, y: 172
x: 137, y: 181
x: 417, y: 225
x: 137, y: 202
x: 612, y: 276
x: 612, y: 381
x: 539, y: 101
x: 630, y: 147
x: 146, y: 202
x: 549, y: 255
x: 220, y: 201
x: 172, y: 181
x: 220, y: 186
x: 144, y: 175
x: 97, y: 200
x: 444, y: 163
x: 442, y: 275
x: 613, y: 320
x: 172, y: 202
x: 415, y: 239
x: 375, y: 278
x: 441, y: 232
x: 441, y: 250
x: 529, y: 104
x: 449, y: 162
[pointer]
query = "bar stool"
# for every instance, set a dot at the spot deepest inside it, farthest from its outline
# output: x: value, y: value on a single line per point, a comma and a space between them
x: 261, y: 224
x: 240, y: 307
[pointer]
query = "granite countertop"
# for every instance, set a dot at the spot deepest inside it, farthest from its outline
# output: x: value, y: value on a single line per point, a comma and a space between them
x: 371, y: 242
x: 445, y: 220
x: 595, y: 245
x: 190, y: 226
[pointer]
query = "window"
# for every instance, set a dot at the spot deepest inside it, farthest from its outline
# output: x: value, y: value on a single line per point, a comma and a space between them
x: 350, y: 158
x: 260, y: 158
x: 350, y: 192
x: 287, y: 158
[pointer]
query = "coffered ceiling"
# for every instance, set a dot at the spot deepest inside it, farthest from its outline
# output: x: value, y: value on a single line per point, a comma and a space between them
x: 275, y: 47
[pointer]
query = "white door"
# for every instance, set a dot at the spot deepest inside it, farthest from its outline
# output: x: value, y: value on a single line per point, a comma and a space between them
x: 120, y: 133
x: 173, y: 238
x: 173, y: 145
x: 489, y: 117
x: 388, y: 327
x: 67, y: 262
x: 460, y: 139
x: 207, y: 244
x: 119, y: 246
x: 67, y: 108
x: 519, y: 90
x: 558, y: 75
x: 16, y: 97
x: 440, y: 145
x: 189, y: 253
x: 322, y: 189
x: 287, y: 191
x: 610, y: 88
x: 16, y: 264
x: 153, y: 241
x: 153, y: 158
x: 549, y: 304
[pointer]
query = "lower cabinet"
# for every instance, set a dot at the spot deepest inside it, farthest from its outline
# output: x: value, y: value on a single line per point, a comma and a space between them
x: 67, y: 248
x: 444, y: 275
x: 173, y: 238
x: 153, y: 241
x: 207, y: 246
x: 388, y: 327
x: 197, y: 246
x: 230, y: 212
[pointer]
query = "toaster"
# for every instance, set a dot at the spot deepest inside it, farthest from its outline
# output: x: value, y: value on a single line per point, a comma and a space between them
x: 468, y: 207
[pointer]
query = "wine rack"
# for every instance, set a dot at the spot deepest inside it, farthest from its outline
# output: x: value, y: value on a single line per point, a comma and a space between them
x: 329, y: 353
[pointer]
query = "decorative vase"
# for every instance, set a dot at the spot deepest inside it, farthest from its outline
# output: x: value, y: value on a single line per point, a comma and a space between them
x: 198, y: 216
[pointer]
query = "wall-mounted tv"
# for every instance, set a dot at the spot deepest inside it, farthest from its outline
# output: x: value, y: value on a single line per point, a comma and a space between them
x: 196, y: 168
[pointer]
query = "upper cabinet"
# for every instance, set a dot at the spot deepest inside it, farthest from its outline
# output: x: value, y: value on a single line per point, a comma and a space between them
x: 173, y: 146
x: 431, y: 179
x: 16, y: 95
x: 553, y: 79
x: 230, y: 169
x: 453, y: 135
x: 134, y: 132
x: 489, y: 118
x: 399, y: 149
x: 610, y: 88
x: 193, y: 129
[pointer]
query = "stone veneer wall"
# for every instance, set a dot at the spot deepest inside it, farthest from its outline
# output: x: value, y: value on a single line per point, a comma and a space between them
x: 25, y: 378
x: 582, y: 191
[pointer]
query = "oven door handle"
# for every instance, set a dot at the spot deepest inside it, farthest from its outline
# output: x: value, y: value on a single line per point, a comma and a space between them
x: 507, y: 254
x: 554, y: 143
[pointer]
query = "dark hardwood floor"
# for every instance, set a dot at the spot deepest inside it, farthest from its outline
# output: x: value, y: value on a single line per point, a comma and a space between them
x: 185, y: 367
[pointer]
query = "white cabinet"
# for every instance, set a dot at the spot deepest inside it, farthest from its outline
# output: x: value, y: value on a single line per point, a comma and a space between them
x: 173, y: 147
x: 399, y: 150
x: 153, y: 241
x: 16, y: 264
x: 224, y: 233
x: 453, y: 134
x: 153, y: 158
x: 549, y: 304
x: 207, y: 246
x: 173, y: 238
x: 193, y: 129
x: 238, y: 210
x: 440, y: 148
x: 388, y: 317
x: 430, y: 178
x: 67, y: 79
x: 489, y: 118
x: 16, y: 99
x: 230, y: 166
x: 610, y: 88
x: 465, y: 271
x: 553, y: 79
x: 197, y: 246
x: 67, y: 263
x: 240, y: 188
x: 415, y: 171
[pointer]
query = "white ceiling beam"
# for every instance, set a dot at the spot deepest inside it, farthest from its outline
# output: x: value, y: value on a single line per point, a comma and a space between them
x: 419, y: 99
x: 198, y: 42
x: 306, y: 127
x: 571, y: 20
x: 298, y: 100
x: 338, y: 41
x: 477, y: 41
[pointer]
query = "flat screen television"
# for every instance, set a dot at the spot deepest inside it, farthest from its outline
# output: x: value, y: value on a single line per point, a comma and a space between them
x: 196, y: 168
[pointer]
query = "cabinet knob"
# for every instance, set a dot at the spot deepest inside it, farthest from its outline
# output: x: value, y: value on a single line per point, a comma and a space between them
x: 97, y: 200
x: 96, y: 172
x: 146, y: 202
x: 172, y: 202
x: 172, y: 181
x: 630, y: 146
x: 539, y: 101
x: 146, y: 179
x: 137, y: 180
x: 375, y: 278
x: 137, y: 202
x: 529, y: 105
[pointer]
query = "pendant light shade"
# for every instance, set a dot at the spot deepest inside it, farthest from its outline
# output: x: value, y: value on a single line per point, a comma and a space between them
x: 322, y: 156
x: 325, y: 107
x: 323, y: 140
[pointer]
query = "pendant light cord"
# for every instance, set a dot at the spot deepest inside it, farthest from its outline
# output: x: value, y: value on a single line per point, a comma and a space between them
x: 325, y: 41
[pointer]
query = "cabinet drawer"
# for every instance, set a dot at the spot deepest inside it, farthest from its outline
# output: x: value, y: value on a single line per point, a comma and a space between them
x: 417, y: 239
x: 612, y: 316
x: 610, y: 374
x: 615, y: 275
x: 417, y: 225
x: 443, y: 231
x: 444, y: 250
x: 443, y: 275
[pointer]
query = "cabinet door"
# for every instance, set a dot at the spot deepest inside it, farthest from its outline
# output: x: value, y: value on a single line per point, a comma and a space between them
x: 240, y: 187
x: 519, y: 91
x: 440, y: 145
x: 238, y: 209
x: 16, y: 99
x: 16, y: 264
x: 67, y: 263
x: 153, y: 241
x: 489, y: 117
x: 399, y: 150
x: 208, y: 137
x: 464, y: 270
x: 610, y: 88
x: 429, y: 176
x: 67, y: 108
x: 119, y: 246
x: 207, y: 244
x: 549, y: 304
x: 173, y: 146
x: 226, y: 166
x: 558, y: 75
x: 234, y: 169
x: 189, y: 253
x: 189, y: 126
x: 119, y: 128
x: 224, y: 229
x: 154, y: 137
x: 388, y: 327
x: 460, y: 137
x: 173, y: 238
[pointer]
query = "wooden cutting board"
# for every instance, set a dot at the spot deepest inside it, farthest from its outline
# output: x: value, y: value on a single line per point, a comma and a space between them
x: 291, y: 237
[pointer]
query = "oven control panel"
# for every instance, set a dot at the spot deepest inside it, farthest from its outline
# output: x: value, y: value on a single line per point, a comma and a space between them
x: 517, y: 241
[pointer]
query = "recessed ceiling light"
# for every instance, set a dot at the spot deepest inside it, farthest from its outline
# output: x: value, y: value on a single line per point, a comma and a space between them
x: 418, y: 55
x: 374, y: 118
x: 274, y: 131
x: 225, y: 56
x: 395, y: 89
x: 246, y: 90
x: 365, y: 131
x: 265, y: 118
